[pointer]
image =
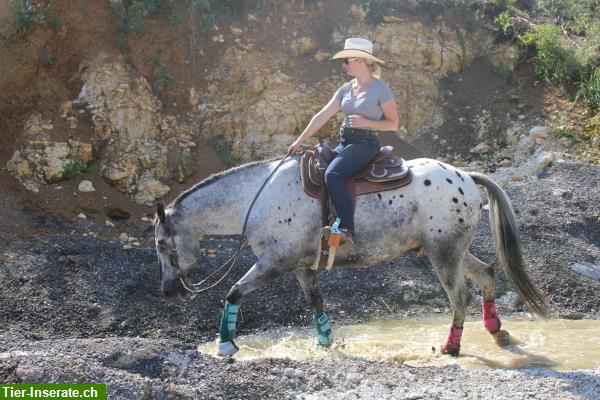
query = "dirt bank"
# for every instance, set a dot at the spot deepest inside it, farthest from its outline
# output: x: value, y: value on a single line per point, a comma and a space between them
x: 76, y: 306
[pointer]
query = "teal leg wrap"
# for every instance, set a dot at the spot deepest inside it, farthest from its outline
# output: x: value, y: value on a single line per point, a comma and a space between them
x: 227, y: 329
x: 325, y: 338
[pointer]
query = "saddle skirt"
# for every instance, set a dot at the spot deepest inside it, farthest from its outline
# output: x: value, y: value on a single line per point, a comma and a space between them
x: 385, y: 172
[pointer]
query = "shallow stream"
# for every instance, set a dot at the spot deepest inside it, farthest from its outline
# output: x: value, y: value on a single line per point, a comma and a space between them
x: 561, y: 345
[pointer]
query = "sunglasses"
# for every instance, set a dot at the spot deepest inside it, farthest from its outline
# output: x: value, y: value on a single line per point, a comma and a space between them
x: 349, y: 60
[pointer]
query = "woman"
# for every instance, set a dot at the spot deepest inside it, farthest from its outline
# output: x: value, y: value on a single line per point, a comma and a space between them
x: 369, y: 106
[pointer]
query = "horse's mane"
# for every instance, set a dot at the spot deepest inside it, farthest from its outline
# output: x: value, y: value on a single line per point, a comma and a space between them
x: 215, y: 177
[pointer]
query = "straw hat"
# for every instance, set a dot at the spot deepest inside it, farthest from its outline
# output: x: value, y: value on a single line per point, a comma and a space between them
x: 357, y: 47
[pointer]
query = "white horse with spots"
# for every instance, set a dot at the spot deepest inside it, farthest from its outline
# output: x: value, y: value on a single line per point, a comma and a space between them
x: 439, y: 211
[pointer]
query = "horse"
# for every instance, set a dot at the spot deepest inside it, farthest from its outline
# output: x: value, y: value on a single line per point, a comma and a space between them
x: 438, y: 214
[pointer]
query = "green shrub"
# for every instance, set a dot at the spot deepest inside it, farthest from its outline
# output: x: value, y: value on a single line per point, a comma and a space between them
x: 556, y: 62
x: 152, y: 8
x: 155, y: 60
x: 223, y: 147
x: 506, y: 74
x: 175, y: 20
x: 85, y: 9
x: 561, y: 131
x: 573, y: 15
x: 508, y: 25
x: 53, y: 21
x: 48, y: 61
x: 162, y: 79
x: 589, y: 90
x: 26, y: 14
x: 75, y: 168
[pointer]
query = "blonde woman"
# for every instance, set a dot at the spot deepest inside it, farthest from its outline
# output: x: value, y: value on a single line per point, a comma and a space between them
x: 369, y: 106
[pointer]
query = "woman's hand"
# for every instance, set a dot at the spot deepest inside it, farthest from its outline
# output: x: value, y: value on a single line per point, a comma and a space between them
x: 358, y: 121
x: 293, y: 148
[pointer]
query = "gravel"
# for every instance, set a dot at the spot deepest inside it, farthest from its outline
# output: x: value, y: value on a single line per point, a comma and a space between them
x: 77, y: 308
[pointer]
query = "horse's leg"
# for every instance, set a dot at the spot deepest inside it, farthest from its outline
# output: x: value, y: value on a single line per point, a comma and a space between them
x: 309, y: 282
x: 483, y: 276
x: 259, y: 275
x: 448, y: 268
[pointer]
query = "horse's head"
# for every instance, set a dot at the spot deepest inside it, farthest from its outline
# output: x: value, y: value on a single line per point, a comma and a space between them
x: 175, y: 250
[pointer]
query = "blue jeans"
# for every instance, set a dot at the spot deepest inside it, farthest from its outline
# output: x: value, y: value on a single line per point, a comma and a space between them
x: 350, y: 156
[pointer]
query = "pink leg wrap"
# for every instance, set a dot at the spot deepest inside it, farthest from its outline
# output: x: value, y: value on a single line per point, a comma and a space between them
x: 452, y: 343
x: 491, y: 321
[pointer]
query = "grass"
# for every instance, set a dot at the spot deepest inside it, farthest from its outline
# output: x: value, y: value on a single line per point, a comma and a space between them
x: 48, y: 61
x: 53, y: 21
x: 162, y: 80
x: 506, y: 74
x: 589, y: 90
x: 556, y: 62
x: 565, y: 47
x: 26, y: 14
x: 223, y: 147
x: 74, y: 169
x: 563, y: 132
x: 175, y: 20
x: 155, y: 60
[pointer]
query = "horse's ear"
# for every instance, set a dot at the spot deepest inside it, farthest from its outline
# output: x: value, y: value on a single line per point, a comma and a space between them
x: 160, y: 210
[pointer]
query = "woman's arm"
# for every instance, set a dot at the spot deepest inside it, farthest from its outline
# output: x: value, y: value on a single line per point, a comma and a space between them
x: 389, y: 123
x: 317, y: 122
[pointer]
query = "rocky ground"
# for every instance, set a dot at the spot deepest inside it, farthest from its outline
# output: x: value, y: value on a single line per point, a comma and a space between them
x: 78, y: 307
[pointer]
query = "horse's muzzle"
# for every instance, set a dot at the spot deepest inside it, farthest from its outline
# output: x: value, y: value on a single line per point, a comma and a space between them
x: 171, y: 288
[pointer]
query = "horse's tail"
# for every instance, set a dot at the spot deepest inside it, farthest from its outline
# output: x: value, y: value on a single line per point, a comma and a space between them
x: 508, y: 244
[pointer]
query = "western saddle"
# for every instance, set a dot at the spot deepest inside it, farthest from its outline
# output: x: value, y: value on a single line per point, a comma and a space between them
x: 385, y: 172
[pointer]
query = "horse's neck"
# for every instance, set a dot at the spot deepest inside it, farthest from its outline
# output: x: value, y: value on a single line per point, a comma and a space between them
x: 219, y: 208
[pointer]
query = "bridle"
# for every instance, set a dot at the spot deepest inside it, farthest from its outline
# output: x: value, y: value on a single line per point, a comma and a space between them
x: 196, y: 288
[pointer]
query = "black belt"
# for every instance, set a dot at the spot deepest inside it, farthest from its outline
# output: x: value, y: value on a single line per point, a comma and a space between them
x: 355, y: 132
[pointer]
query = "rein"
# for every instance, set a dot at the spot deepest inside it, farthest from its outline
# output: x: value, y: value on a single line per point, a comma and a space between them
x: 196, y: 287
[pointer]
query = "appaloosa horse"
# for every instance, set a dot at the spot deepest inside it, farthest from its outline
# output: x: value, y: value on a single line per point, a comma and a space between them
x: 438, y: 212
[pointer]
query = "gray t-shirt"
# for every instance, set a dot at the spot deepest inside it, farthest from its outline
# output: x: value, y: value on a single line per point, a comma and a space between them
x: 367, y: 104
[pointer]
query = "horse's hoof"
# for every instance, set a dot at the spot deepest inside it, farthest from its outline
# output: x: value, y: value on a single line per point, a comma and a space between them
x: 324, y: 340
x: 502, y: 337
x: 450, y: 351
x: 227, y: 349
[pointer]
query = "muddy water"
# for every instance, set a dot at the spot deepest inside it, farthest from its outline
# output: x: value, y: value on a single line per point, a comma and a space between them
x: 556, y: 344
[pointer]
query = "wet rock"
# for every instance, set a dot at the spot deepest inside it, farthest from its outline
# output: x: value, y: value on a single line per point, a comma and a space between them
x: 237, y: 32
x: 18, y: 166
x: 86, y: 186
x: 303, y: 46
x: 539, y: 132
x: 505, y: 163
x: 481, y: 148
x: 543, y: 159
x: 588, y: 270
x: 526, y: 144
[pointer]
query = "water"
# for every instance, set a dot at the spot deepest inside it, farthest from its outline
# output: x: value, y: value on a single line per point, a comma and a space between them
x: 561, y: 345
